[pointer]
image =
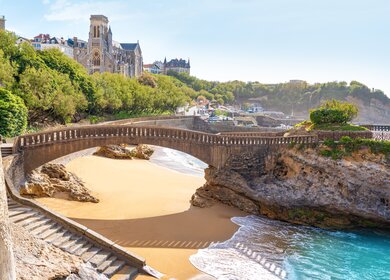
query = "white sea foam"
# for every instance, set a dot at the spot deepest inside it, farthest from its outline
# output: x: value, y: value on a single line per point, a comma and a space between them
x: 178, y: 161
x: 240, y: 257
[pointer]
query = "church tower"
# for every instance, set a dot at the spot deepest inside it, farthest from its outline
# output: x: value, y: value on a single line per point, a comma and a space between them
x: 99, y: 48
x: 2, y: 22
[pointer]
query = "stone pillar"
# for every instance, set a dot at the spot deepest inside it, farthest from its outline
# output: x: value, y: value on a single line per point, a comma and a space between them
x: 7, y: 261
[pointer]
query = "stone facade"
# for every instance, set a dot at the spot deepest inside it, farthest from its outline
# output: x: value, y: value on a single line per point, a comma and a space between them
x: 177, y: 65
x: 102, y: 54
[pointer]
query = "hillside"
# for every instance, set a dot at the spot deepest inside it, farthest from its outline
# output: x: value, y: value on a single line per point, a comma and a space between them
x: 296, y: 96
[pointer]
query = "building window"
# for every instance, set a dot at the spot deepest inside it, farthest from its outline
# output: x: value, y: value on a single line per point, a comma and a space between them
x: 96, y: 58
x: 96, y: 31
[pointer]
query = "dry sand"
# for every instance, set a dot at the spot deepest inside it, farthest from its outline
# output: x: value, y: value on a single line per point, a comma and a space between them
x: 145, y: 208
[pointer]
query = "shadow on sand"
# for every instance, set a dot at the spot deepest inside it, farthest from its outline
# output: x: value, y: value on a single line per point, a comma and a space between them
x: 193, y: 229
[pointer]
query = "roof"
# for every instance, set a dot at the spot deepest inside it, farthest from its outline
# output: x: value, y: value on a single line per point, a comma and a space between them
x: 129, y: 46
x: 178, y: 63
x: 43, y: 36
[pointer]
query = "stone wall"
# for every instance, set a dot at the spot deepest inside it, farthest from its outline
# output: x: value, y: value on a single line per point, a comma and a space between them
x: 7, y: 262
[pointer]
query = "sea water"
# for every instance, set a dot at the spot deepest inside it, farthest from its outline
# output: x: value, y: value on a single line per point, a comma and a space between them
x: 269, y: 249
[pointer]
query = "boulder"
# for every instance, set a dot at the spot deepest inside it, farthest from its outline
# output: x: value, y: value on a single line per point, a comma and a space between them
x: 141, y: 151
x: 52, y: 180
x: 114, y: 152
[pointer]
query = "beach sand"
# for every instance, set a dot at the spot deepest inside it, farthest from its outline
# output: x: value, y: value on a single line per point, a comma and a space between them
x: 145, y: 208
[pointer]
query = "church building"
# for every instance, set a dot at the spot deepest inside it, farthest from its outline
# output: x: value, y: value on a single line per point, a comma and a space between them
x: 102, y: 54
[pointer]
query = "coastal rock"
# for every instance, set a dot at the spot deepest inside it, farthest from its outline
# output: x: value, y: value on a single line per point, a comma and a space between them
x: 86, y: 271
x: 54, y: 180
x: 141, y: 151
x: 115, y: 152
x: 36, y: 259
x: 300, y: 186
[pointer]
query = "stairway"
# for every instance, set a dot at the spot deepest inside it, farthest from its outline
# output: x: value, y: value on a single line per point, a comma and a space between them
x: 44, y: 228
x: 6, y: 149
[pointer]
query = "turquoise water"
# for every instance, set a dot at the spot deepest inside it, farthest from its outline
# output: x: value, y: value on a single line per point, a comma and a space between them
x: 320, y: 254
x: 264, y: 249
x: 268, y: 249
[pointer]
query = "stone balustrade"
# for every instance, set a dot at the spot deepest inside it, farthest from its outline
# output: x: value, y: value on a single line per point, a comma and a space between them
x: 377, y: 127
x: 99, y: 131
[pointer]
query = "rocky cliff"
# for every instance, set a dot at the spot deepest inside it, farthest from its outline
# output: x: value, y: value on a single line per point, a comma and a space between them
x: 300, y: 186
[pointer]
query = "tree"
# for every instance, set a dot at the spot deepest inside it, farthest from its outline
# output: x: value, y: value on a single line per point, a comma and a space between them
x: 333, y: 112
x: 13, y: 114
x: 6, y: 72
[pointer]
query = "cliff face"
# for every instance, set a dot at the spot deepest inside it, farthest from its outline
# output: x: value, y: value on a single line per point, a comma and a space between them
x: 303, y: 187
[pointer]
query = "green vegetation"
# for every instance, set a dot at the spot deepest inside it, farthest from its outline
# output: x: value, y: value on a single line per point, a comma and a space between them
x: 332, y: 115
x: 55, y: 88
x: 13, y: 114
x: 346, y: 146
x: 333, y: 112
x: 285, y: 97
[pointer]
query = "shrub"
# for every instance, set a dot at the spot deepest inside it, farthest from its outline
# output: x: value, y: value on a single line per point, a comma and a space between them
x: 333, y: 112
x: 13, y: 114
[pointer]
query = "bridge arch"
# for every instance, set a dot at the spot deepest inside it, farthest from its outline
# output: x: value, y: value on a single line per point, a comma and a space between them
x: 40, y: 148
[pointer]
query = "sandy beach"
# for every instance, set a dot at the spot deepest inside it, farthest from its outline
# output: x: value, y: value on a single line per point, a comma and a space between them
x: 145, y: 208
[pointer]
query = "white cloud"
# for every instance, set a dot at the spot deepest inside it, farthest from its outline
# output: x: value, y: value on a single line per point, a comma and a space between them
x: 65, y: 10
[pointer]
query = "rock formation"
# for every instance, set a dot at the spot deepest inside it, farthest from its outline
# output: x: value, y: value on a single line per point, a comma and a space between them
x: 303, y: 187
x: 53, y: 180
x: 123, y: 152
x: 36, y: 260
x: 114, y: 151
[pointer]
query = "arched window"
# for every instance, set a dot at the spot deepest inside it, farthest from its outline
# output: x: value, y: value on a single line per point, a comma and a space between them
x: 98, y: 32
x: 94, y: 32
x: 96, y: 58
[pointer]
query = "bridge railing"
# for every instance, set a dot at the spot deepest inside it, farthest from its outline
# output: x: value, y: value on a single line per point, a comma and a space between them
x: 377, y: 127
x: 99, y: 131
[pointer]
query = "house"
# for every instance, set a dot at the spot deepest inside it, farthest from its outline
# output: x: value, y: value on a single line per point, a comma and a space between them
x: 154, y: 68
x: 58, y: 43
x: 39, y: 40
x: 177, y: 65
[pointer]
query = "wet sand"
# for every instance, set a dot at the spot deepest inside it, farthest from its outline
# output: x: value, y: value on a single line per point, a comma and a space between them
x: 145, y: 208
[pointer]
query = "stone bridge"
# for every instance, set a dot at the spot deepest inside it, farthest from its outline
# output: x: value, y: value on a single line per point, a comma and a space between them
x: 213, y: 149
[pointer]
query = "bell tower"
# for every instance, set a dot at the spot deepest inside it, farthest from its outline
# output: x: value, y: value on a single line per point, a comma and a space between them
x: 2, y: 22
x: 98, y: 47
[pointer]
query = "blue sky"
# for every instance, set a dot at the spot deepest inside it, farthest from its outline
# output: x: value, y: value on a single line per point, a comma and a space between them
x: 264, y: 40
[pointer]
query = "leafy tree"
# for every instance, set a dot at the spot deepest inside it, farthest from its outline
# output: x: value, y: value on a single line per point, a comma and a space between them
x: 13, y: 114
x: 6, y: 72
x: 333, y: 112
